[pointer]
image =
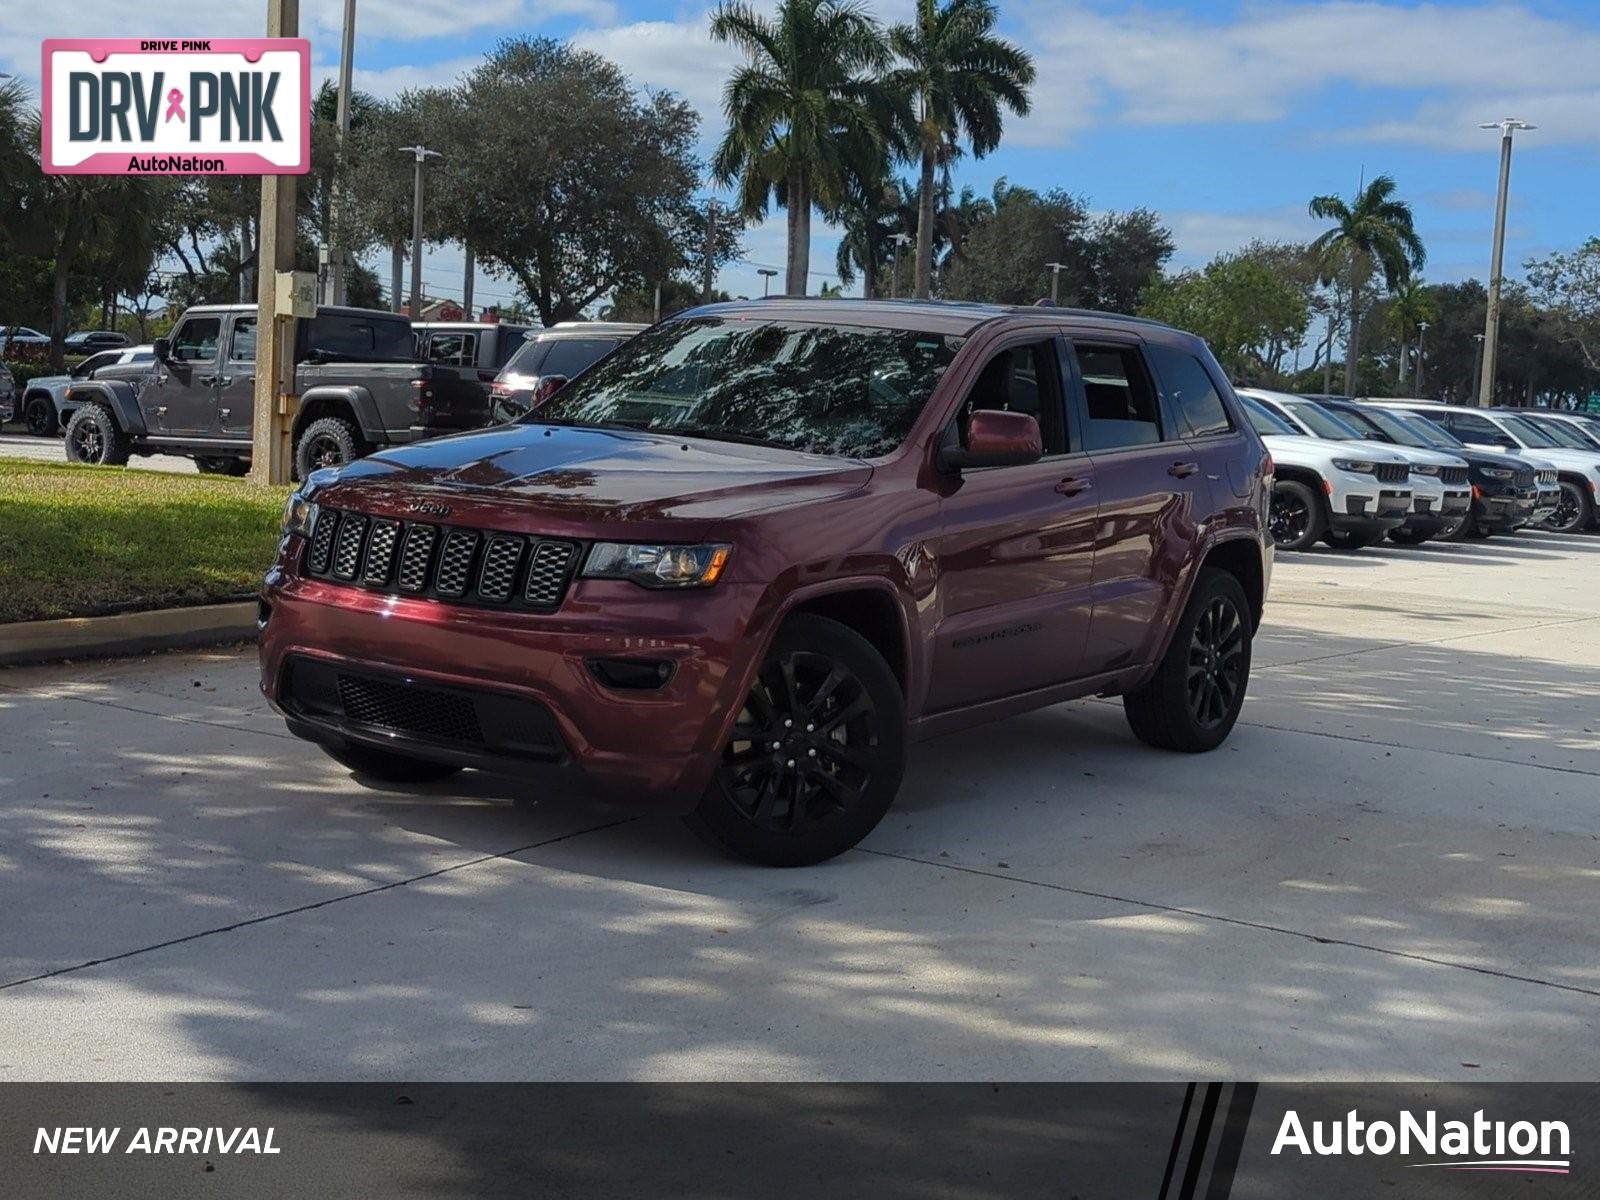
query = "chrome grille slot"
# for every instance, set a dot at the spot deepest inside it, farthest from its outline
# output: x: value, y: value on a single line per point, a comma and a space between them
x: 1393, y: 472
x: 548, y: 573
x: 380, y: 552
x: 347, y: 550
x: 498, y: 575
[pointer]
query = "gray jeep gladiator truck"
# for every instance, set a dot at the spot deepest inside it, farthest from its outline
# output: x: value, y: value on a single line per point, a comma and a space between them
x: 359, y: 385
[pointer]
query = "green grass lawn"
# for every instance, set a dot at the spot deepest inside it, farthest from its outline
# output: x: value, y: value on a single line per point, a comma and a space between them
x: 78, y: 541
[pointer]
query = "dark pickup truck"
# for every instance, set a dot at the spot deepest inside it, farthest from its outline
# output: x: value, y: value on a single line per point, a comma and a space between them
x: 358, y: 383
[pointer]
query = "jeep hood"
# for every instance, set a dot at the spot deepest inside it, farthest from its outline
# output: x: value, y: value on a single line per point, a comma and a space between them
x: 587, y: 475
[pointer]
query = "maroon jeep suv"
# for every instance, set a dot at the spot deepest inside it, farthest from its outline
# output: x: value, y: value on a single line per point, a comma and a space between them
x: 755, y: 552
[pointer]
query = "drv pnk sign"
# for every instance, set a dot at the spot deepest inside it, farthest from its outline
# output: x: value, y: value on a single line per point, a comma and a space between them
x: 208, y: 106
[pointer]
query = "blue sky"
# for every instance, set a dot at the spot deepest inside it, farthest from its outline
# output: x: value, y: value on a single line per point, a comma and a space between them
x: 1224, y: 117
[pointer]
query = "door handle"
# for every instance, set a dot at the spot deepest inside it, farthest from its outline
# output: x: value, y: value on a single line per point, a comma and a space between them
x: 1072, y: 487
x: 1182, y: 470
x: 208, y: 380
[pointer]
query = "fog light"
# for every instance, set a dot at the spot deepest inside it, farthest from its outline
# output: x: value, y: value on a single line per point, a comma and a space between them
x: 634, y: 674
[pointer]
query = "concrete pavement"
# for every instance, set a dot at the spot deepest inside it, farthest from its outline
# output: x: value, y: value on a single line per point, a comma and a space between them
x: 1391, y: 871
x: 21, y: 445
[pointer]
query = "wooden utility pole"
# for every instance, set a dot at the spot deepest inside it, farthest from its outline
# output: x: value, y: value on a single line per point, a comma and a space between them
x: 271, y: 456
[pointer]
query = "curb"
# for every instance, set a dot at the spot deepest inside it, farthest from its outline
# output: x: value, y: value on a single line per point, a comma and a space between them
x: 127, y: 633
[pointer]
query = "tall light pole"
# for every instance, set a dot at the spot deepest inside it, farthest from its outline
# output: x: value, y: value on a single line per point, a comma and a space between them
x: 900, y: 239
x: 1491, y: 320
x: 766, y: 274
x: 336, y: 251
x: 422, y: 155
x: 1055, y: 280
x: 1422, y: 333
x: 707, y: 271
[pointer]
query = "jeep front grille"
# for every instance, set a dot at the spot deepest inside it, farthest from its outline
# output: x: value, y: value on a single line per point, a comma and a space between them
x: 1524, y: 477
x: 508, y: 570
x: 1549, y: 478
x: 1457, y: 475
x: 1393, y: 472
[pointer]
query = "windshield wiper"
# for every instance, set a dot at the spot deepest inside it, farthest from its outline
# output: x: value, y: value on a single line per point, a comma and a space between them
x: 718, y: 433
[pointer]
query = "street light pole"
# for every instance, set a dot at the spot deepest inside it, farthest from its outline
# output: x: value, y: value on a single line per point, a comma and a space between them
x: 1422, y: 334
x: 422, y: 155
x: 1055, y: 281
x: 708, y: 270
x: 766, y: 274
x: 336, y: 251
x: 1491, y: 320
x: 1477, y: 364
x: 900, y: 239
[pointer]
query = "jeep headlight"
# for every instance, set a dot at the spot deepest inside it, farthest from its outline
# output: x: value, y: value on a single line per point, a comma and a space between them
x: 658, y: 565
x: 1499, y: 473
x: 1359, y: 466
x: 299, y: 515
x: 1426, y: 468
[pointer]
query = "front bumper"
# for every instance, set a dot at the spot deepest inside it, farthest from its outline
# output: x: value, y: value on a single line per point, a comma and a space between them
x: 1374, y: 508
x: 1443, y: 509
x: 661, y: 741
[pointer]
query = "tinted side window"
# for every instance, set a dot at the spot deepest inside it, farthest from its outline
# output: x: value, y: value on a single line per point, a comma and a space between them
x: 242, y: 345
x: 1474, y: 429
x: 457, y: 349
x: 1118, y: 398
x: 1023, y: 379
x: 360, y: 337
x: 568, y: 356
x: 1190, y: 390
x: 196, y: 339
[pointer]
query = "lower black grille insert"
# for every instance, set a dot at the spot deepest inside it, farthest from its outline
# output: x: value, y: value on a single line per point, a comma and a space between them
x: 409, y: 708
x: 1393, y: 472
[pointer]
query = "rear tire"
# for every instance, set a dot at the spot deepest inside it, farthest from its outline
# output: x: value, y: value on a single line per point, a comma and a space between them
x: 389, y: 767
x: 816, y: 753
x: 94, y: 439
x: 1297, y: 518
x: 326, y: 442
x: 1194, y: 698
x: 40, y: 416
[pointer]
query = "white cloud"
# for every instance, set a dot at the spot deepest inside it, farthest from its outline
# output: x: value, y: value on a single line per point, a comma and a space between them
x: 1201, y: 235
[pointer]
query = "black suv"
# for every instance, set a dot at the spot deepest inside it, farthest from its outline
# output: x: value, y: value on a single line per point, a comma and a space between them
x: 358, y: 385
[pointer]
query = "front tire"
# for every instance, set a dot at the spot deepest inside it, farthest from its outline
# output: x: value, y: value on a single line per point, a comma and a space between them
x: 39, y: 415
x: 1296, y: 518
x: 1409, y: 537
x: 1573, y: 513
x: 326, y: 442
x: 1344, y: 539
x: 94, y: 439
x: 815, y: 755
x: 1194, y: 698
x: 388, y: 767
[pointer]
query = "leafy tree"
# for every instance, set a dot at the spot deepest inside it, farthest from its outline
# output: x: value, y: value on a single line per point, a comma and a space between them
x: 958, y: 77
x: 593, y: 189
x: 1119, y: 255
x: 1568, y: 285
x: 876, y: 208
x: 639, y: 304
x: 1371, y: 233
x: 804, y: 116
x: 1244, y: 311
x: 1403, y: 312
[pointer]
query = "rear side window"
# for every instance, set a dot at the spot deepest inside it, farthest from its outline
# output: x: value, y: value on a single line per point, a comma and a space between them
x: 242, y: 347
x: 359, y: 337
x: 568, y: 356
x: 1191, y: 392
x: 457, y: 349
x: 1119, y: 401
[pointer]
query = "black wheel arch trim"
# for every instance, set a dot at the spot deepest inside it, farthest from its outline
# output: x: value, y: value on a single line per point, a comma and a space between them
x: 116, y: 395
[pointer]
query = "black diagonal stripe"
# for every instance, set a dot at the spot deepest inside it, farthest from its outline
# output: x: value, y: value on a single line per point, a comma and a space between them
x: 1177, y: 1141
x: 1232, y: 1142
x: 1202, y: 1139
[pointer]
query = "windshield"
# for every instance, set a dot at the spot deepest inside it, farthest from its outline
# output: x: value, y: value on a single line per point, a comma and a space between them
x: 1264, y: 421
x: 826, y: 389
x: 1323, y: 423
x: 1395, y: 429
x: 1434, y: 435
x: 1524, y: 432
x: 1561, y: 435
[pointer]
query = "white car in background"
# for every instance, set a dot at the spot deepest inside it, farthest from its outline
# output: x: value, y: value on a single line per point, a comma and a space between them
x: 1578, y: 507
x: 1443, y: 518
x: 1348, y: 494
x: 44, y: 406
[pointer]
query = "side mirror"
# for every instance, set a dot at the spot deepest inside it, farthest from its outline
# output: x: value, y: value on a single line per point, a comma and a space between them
x: 162, y: 349
x: 996, y: 438
x: 547, y: 387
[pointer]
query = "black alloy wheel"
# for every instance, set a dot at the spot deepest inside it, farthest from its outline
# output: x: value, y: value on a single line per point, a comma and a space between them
x: 39, y: 415
x: 1291, y: 518
x: 1216, y: 662
x: 816, y: 751
x: 1571, y: 512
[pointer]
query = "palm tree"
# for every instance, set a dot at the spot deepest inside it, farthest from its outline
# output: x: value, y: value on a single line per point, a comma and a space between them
x: 875, y: 210
x: 1408, y: 306
x: 1374, y: 231
x: 958, y: 77
x: 804, y: 115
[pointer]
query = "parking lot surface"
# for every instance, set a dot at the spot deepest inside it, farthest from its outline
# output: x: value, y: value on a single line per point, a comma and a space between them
x: 21, y: 445
x: 1392, y: 870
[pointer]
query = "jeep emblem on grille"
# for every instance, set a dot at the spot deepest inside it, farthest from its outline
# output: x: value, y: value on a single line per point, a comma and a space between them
x: 429, y: 507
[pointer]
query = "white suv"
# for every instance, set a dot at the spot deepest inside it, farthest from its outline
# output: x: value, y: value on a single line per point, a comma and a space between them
x: 1347, y: 493
x: 1444, y: 518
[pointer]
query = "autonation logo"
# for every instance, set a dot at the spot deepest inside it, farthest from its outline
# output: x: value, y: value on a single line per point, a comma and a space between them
x: 1478, y: 1145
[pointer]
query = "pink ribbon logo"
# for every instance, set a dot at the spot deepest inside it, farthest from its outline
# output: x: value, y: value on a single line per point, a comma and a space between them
x: 175, y: 105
